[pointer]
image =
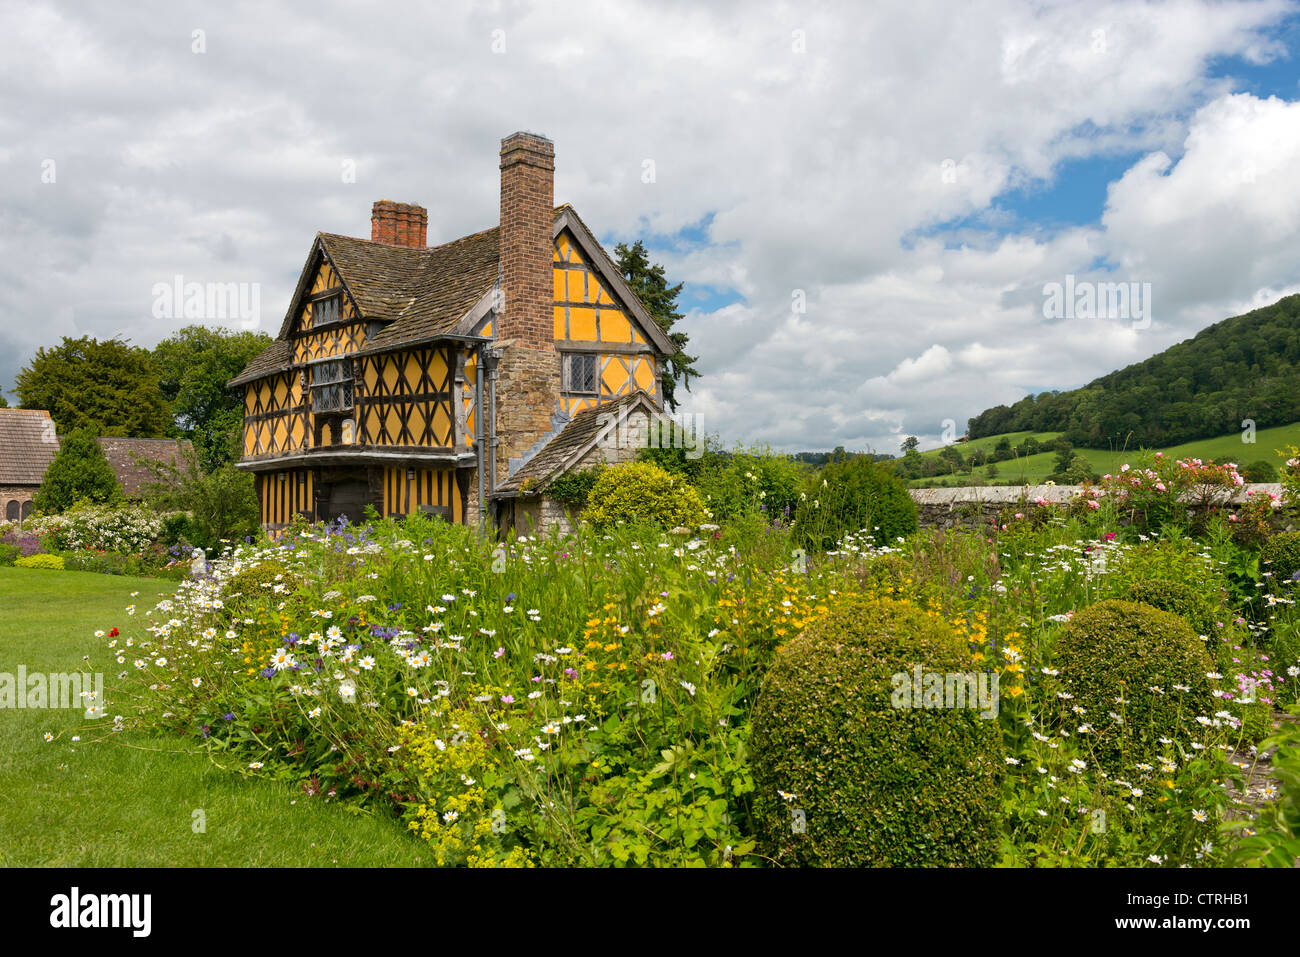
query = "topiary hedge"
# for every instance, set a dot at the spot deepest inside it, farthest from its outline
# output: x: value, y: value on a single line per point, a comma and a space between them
x: 1281, y: 556
x: 642, y: 492
x: 1180, y: 599
x: 866, y: 783
x: 1123, y: 650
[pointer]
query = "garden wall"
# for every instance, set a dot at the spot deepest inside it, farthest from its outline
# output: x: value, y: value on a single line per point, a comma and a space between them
x: 980, y: 505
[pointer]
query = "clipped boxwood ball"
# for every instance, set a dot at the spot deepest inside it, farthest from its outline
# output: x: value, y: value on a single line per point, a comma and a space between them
x: 1180, y: 599
x: 1281, y: 556
x: 843, y: 778
x: 1124, y: 650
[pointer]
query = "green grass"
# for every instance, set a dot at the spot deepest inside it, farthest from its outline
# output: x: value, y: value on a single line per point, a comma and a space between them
x: 129, y: 801
x: 1035, y: 468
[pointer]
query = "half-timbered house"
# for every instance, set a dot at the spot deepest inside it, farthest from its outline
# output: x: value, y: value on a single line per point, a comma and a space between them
x: 458, y: 378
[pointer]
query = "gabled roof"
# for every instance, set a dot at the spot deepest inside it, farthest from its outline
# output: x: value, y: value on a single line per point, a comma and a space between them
x: 425, y: 293
x: 28, y: 444
x: 567, y: 218
x: 584, y: 431
x: 422, y: 293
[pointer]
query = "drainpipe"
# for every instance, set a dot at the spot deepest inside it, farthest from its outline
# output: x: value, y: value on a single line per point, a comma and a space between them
x: 493, y: 357
x: 478, y: 432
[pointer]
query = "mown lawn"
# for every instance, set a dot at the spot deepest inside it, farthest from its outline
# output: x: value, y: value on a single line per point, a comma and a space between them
x: 130, y: 801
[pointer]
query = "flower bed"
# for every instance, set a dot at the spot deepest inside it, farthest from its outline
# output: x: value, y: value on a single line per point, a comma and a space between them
x: 586, y: 700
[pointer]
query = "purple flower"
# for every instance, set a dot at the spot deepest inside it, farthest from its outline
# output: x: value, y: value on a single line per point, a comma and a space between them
x: 206, y: 730
x: 228, y: 716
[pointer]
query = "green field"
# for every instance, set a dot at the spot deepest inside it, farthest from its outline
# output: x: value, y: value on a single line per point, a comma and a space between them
x: 130, y: 801
x: 1035, y: 468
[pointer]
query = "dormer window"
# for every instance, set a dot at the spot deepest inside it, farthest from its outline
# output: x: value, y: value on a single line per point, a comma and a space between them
x: 580, y: 373
x: 328, y: 310
x: 331, y: 386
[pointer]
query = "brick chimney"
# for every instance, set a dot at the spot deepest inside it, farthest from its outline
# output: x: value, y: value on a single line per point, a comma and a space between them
x: 399, y: 224
x: 528, y: 390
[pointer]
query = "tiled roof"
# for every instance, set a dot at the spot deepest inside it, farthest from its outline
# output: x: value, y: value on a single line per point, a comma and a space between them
x: 122, y: 454
x: 28, y: 444
x: 417, y: 294
x: 421, y: 292
x: 561, y: 452
x: 273, y: 357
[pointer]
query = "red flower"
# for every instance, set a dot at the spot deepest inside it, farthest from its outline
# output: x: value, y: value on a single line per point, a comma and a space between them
x: 112, y: 633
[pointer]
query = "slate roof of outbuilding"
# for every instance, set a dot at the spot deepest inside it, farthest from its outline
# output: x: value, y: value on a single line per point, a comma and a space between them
x: 568, y: 446
x: 28, y: 444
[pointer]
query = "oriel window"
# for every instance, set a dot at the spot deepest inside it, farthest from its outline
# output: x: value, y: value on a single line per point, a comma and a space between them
x: 331, y: 386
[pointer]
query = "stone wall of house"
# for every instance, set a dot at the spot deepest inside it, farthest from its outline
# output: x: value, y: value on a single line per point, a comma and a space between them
x: 18, y: 495
x: 976, y: 507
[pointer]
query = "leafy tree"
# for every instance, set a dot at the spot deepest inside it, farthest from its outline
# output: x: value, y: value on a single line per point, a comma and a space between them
x: 1260, y: 471
x: 909, y: 444
x: 221, y: 504
x: 79, y: 472
x: 109, y: 387
x: 4, y: 403
x: 196, y: 363
x: 648, y: 282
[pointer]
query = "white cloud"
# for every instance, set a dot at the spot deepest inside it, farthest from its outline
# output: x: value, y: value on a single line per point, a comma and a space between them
x: 822, y: 171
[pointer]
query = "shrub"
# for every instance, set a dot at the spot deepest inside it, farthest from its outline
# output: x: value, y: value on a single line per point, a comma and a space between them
x: 9, y: 554
x: 750, y: 481
x: 572, y: 489
x: 128, y: 530
x: 1124, y: 650
x: 1281, y: 556
x: 852, y: 495
x: 252, y: 582
x: 643, y: 492
x: 1180, y: 599
x: 873, y: 784
x: 1260, y: 471
x: 40, y: 561
x: 79, y: 472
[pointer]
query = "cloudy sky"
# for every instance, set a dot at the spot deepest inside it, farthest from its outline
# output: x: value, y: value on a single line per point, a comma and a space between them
x: 866, y: 202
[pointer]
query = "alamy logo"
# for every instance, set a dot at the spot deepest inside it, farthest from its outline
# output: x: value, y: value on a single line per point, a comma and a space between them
x: 53, y: 690
x: 934, y: 689
x: 102, y: 910
x: 655, y: 430
x: 240, y: 302
x: 1098, y: 300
